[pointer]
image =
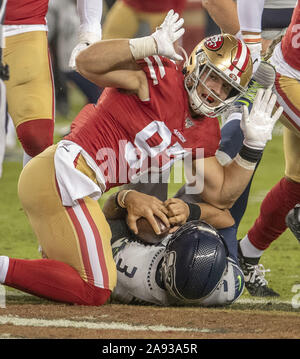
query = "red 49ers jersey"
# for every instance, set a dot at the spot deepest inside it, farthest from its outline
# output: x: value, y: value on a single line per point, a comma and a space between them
x: 290, y: 44
x: 126, y: 136
x: 22, y: 12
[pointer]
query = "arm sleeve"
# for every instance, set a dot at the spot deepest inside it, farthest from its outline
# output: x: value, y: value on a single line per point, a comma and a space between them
x: 90, y: 13
x: 250, y: 14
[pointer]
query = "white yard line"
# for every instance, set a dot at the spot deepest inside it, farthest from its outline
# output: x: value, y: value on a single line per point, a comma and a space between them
x: 63, y: 323
x: 262, y: 301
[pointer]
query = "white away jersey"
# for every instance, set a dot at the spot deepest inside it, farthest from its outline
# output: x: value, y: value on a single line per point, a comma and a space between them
x: 137, y: 283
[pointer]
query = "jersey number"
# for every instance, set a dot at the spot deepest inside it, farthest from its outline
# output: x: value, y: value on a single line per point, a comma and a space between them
x: 136, y: 153
x: 125, y: 269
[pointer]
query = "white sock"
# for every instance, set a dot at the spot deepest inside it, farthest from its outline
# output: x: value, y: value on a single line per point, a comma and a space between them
x: 4, y: 263
x: 248, y: 248
x: 26, y: 158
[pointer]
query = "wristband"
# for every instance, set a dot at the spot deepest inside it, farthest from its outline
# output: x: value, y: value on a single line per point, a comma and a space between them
x: 250, y: 154
x: 244, y: 163
x: 195, y: 212
x: 143, y: 47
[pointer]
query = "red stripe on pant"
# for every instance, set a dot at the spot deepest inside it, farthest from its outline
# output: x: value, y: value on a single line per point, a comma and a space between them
x: 83, y: 245
x: 271, y: 221
x: 98, y: 243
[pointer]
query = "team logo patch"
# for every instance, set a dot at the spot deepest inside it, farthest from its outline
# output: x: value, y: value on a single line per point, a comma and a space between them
x: 233, y: 76
x: 214, y: 43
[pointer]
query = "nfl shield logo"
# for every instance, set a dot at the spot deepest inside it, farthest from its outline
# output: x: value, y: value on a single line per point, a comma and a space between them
x: 188, y: 122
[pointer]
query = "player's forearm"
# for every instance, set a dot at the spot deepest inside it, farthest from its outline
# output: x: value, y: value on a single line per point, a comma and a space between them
x: 221, y: 12
x: 216, y: 217
x: 111, y: 210
x: 222, y: 185
x: 236, y: 179
x: 104, y: 57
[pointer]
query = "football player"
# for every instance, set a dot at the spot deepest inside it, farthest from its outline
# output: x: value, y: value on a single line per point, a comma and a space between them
x: 278, y: 206
x: 30, y: 95
x: 152, y: 273
x: 253, y: 17
x: 189, y: 267
x: 138, y: 125
x: 257, y: 22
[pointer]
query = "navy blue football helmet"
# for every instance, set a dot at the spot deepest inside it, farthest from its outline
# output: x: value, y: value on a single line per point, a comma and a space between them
x: 194, y: 262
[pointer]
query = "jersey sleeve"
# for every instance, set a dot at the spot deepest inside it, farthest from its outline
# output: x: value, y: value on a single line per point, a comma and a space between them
x: 162, y: 74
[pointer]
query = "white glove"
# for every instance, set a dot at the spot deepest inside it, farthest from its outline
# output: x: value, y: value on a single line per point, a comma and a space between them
x: 258, y: 126
x: 85, y: 40
x: 167, y: 33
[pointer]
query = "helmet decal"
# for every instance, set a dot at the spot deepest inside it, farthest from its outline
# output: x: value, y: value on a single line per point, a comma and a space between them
x: 214, y: 43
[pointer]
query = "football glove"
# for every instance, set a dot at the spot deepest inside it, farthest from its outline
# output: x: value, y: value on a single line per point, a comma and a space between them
x: 258, y: 125
x: 167, y: 33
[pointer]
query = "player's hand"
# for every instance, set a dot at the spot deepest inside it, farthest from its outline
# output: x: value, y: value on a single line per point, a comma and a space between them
x: 258, y: 125
x: 85, y: 40
x: 178, y: 211
x: 142, y: 205
x: 167, y: 33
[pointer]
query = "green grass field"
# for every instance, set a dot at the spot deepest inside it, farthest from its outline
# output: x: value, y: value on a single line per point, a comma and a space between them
x: 283, y: 256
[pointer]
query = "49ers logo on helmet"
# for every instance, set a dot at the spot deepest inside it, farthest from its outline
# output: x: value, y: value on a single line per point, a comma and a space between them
x: 214, y: 43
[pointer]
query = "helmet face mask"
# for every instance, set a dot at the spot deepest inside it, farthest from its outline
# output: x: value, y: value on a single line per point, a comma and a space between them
x: 194, y: 263
x: 220, y: 56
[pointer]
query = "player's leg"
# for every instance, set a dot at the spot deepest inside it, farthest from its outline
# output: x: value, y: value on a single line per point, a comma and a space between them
x: 285, y: 194
x: 121, y: 22
x: 281, y: 199
x: 30, y: 90
x: 76, y: 240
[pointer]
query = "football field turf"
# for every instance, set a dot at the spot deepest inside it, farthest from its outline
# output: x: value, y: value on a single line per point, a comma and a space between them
x: 283, y: 256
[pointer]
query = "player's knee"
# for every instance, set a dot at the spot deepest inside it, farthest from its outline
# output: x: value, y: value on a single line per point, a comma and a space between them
x: 36, y: 135
x: 98, y: 296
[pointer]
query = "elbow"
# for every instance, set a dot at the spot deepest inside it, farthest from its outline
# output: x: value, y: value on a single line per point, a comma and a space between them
x: 221, y: 203
x: 226, y: 203
x: 81, y: 62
